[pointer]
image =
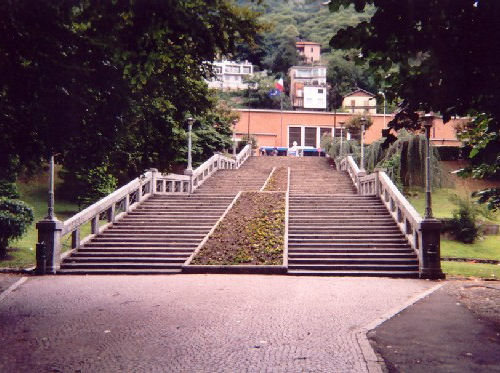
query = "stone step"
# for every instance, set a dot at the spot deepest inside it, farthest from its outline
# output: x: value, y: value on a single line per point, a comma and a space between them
x: 354, y: 261
x: 345, y: 239
x: 130, y: 254
x: 345, y: 245
x: 118, y: 265
x: 350, y: 250
x: 126, y: 244
x: 121, y: 271
x: 356, y: 267
x: 368, y: 254
x: 359, y: 235
x: 129, y: 249
x: 124, y: 259
x: 159, y: 235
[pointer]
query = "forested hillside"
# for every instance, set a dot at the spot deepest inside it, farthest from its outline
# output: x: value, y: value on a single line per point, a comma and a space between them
x: 310, y: 20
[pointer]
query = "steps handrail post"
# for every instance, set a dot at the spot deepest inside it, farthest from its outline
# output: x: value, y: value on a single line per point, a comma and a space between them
x: 430, y: 248
x: 49, y: 239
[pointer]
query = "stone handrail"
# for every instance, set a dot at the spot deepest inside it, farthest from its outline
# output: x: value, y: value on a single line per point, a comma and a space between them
x: 422, y: 234
x: 348, y: 164
x: 171, y: 183
x: 243, y: 155
x: 218, y: 162
x: 125, y: 198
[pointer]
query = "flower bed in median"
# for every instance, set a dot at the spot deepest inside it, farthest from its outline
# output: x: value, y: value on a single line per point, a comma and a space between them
x: 278, y: 180
x: 251, y: 233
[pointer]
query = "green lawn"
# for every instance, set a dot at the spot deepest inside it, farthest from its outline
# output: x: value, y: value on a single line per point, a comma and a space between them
x: 486, y: 248
x: 463, y: 269
x: 34, y: 193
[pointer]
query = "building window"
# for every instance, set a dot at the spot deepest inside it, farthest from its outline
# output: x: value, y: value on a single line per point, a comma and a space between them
x: 320, y: 91
x: 353, y: 102
x: 246, y: 70
x: 294, y: 134
x: 310, y: 136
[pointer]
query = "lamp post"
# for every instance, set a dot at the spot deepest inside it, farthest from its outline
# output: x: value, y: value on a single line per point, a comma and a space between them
x: 341, y: 124
x: 363, y: 121
x: 50, y: 204
x: 383, y: 94
x: 189, y: 169
x: 427, y: 122
x: 234, y: 137
x: 430, y: 228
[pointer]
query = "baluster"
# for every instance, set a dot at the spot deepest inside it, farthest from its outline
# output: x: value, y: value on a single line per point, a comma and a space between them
x: 94, y: 225
x: 126, y: 203
x: 111, y: 213
x: 75, y: 239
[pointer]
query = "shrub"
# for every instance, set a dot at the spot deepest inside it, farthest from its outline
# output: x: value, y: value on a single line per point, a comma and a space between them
x: 463, y: 225
x: 15, y: 218
x: 8, y: 190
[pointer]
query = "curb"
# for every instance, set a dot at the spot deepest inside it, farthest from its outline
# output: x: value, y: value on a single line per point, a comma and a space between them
x: 236, y: 269
x: 12, y: 288
x: 375, y: 363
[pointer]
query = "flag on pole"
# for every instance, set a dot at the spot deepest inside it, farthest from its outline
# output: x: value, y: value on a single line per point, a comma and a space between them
x: 279, y: 85
x: 274, y: 92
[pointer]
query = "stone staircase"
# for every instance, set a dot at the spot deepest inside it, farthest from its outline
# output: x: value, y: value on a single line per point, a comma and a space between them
x: 157, y: 237
x: 251, y: 176
x: 334, y: 231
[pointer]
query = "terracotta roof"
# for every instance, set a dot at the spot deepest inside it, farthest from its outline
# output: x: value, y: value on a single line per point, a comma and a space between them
x: 353, y: 93
x: 306, y: 43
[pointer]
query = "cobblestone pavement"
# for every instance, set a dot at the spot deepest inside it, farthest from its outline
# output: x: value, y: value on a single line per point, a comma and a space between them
x: 193, y: 323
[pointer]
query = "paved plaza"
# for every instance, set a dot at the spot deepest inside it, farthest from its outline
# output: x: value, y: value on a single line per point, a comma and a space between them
x: 194, y: 323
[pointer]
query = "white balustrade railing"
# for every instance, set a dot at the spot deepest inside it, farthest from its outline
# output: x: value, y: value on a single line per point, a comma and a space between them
x: 124, y: 199
x: 114, y: 206
x: 422, y: 235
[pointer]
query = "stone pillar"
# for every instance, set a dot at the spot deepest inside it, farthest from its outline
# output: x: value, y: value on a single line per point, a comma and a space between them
x: 49, y: 234
x: 429, y: 245
x: 154, y: 175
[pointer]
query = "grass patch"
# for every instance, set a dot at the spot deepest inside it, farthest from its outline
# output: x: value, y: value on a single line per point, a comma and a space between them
x: 486, y: 248
x: 21, y: 253
x: 464, y: 269
x: 251, y: 233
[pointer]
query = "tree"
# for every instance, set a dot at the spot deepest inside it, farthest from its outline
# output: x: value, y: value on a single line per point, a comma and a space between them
x: 15, y: 218
x: 435, y: 56
x: 92, y: 81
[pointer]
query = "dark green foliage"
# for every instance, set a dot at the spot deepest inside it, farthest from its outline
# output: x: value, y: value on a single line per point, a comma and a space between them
x: 95, y: 81
x: 436, y: 56
x: 8, y: 190
x: 463, y: 225
x: 15, y: 218
x: 94, y: 184
x: 286, y: 56
x: 354, y: 123
x: 246, y: 140
x: 449, y: 153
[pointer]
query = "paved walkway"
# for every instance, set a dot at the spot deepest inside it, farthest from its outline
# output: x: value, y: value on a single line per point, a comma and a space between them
x: 193, y: 323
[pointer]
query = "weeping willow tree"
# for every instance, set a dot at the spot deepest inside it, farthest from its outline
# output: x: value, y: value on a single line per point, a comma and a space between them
x: 332, y: 148
x: 404, y: 160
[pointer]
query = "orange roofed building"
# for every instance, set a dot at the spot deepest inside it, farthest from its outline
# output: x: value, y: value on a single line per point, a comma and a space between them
x: 309, y: 51
x: 280, y: 129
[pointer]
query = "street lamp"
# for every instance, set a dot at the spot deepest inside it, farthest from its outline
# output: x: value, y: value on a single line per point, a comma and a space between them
x: 50, y: 205
x: 234, y: 137
x: 363, y: 121
x: 427, y: 121
x: 341, y: 124
x: 189, y: 169
x: 383, y: 94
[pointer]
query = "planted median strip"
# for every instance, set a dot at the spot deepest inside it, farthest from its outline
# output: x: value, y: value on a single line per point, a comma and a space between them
x: 250, y: 234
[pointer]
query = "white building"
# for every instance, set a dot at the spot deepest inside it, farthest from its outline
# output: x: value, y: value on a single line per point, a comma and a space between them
x: 308, y: 87
x: 230, y: 75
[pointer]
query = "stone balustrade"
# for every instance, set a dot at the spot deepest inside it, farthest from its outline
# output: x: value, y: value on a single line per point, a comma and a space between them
x: 423, y: 235
x: 119, y: 203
